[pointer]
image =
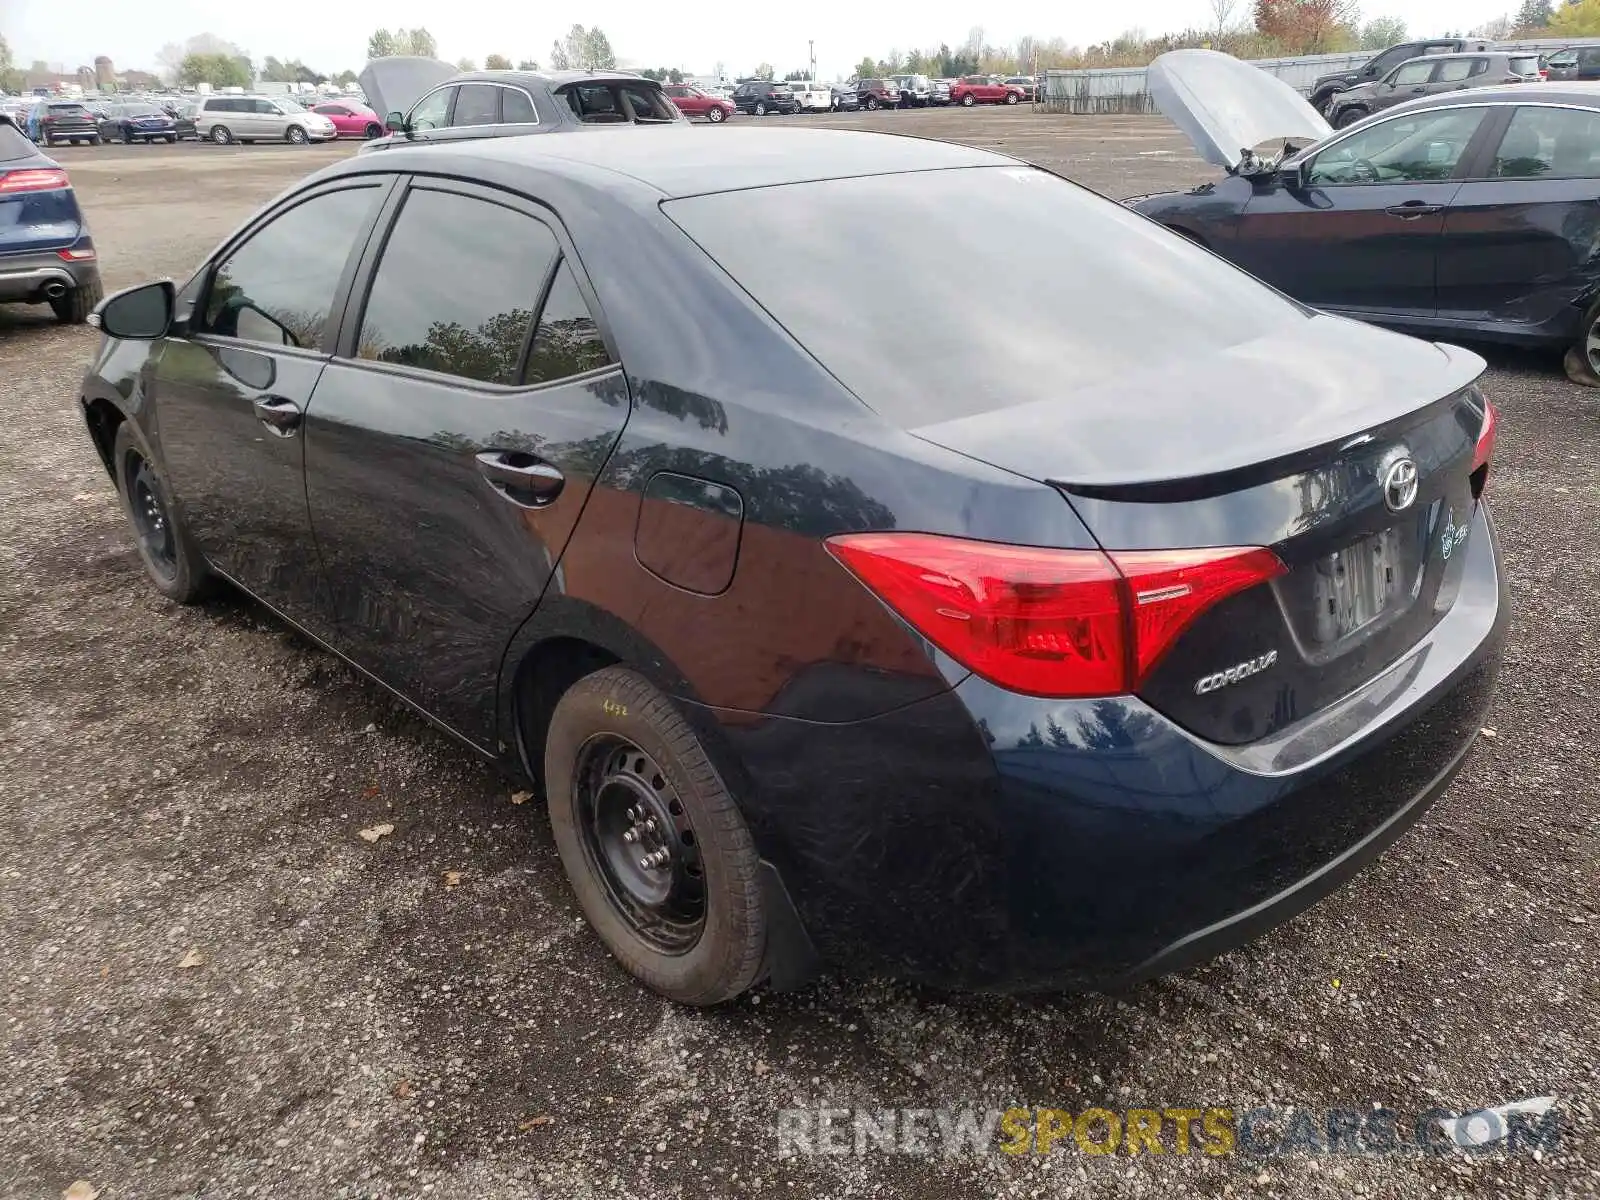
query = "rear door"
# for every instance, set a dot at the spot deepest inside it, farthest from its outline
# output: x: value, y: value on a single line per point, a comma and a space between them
x: 453, y: 442
x: 231, y: 386
x: 1518, y: 240
x: 1363, y: 233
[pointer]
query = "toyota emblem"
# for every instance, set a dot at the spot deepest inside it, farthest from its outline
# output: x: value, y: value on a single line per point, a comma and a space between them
x: 1398, y: 473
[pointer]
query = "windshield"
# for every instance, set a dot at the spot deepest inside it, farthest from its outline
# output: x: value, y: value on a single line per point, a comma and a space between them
x: 288, y: 105
x: 1107, y: 291
x: 143, y: 110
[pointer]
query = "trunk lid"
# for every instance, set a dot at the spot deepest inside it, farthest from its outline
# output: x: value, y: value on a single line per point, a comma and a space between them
x: 1297, y: 452
x: 1226, y: 107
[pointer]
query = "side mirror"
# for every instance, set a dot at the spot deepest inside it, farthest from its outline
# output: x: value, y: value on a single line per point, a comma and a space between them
x: 395, y: 122
x: 142, y: 313
x: 1297, y: 177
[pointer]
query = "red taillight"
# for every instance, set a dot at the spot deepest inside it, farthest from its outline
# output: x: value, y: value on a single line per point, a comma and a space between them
x: 1484, y: 450
x: 76, y: 254
x: 33, y: 180
x: 1043, y: 621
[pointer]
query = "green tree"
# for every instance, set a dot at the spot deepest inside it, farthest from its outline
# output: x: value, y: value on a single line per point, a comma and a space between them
x: 346, y: 78
x: 1382, y: 32
x: 1534, y: 14
x: 466, y: 64
x: 1581, y: 19
x: 219, y: 70
x: 420, y: 42
x: 558, y: 57
x: 764, y: 71
x: 598, y: 54
x: 10, y: 78
x: 497, y: 62
x: 381, y: 44
x: 385, y: 43
x: 527, y: 64
x: 866, y: 69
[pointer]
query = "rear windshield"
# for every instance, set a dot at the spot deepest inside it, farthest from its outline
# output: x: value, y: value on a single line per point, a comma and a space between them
x: 613, y: 102
x: 1525, y: 66
x: 994, y: 286
x: 70, y: 110
x: 13, y: 145
x: 143, y: 110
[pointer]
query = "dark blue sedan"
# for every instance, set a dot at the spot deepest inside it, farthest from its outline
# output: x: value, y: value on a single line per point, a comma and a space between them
x: 1000, y: 646
x: 138, y: 122
x: 46, y: 253
x: 1469, y: 213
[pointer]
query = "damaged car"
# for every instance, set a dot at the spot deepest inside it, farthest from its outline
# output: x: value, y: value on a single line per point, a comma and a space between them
x: 426, y: 100
x: 1469, y: 214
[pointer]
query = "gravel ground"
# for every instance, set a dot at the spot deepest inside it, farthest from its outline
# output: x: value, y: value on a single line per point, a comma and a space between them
x: 213, y: 987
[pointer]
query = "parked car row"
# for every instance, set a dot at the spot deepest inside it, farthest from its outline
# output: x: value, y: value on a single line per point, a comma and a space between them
x: 223, y: 119
x: 1431, y: 76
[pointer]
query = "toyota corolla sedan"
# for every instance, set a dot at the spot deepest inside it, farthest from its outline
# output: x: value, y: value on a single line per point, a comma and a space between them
x: 1471, y: 213
x: 1010, y: 648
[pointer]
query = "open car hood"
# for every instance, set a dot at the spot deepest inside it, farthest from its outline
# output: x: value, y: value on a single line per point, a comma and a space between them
x: 1227, y: 107
x: 395, y: 84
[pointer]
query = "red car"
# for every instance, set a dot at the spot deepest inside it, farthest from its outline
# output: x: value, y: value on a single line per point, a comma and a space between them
x: 980, y: 89
x: 692, y: 102
x: 352, y: 120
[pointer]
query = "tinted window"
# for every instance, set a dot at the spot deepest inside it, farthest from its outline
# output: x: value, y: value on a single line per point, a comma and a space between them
x: 1553, y: 143
x: 568, y: 341
x: 477, y: 104
x: 13, y: 145
x: 1416, y: 147
x: 1097, y: 276
x: 431, y: 110
x: 264, y: 107
x: 1413, y: 73
x: 1524, y: 66
x: 516, y: 108
x: 1456, y: 69
x: 649, y: 105
x: 456, y: 288
x: 278, y: 286
x: 593, y: 102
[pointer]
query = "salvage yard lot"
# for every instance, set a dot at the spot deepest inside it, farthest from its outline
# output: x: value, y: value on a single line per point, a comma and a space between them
x: 427, y: 1014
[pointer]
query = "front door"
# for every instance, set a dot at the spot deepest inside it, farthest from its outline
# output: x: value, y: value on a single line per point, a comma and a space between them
x: 452, y: 444
x: 231, y: 389
x: 1362, y: 231
x: 1519, y: 238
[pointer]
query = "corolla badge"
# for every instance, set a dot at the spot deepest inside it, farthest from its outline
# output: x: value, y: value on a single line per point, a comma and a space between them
x: 1397, y: 474
x: 1221, y: 679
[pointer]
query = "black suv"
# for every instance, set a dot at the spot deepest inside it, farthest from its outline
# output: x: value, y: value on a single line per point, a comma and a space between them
x: 1380, y: 64
x: 762, y: 96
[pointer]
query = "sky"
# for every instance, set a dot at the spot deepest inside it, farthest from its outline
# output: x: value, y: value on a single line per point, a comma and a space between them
x: 330, y: 37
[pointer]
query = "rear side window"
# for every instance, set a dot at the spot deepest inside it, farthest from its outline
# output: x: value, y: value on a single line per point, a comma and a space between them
x: 1413, y: 73
x: 1457, y: 69
x: 477, y: 104
x: 1525, y: 66
x: 13, y: 145
x: 278, y: 287
x: 456, y: 288
x: 1099, y: 279
x: 568, y: 341
x: 1550, y: 143
x: 516, y: 108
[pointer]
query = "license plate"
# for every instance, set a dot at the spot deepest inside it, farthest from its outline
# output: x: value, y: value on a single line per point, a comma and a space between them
x: 1356, y: 585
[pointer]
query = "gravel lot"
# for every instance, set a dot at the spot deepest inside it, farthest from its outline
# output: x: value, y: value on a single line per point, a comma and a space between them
x: 177, y: 780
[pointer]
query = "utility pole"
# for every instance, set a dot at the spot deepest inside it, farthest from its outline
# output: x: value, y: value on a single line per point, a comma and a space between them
x: 812, y: 45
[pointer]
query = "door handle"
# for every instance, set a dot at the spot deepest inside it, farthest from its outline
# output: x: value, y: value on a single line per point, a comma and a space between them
x: 520, y: 477
x: 1417, y: 91
x: 1412, y: 209
x: 279, y: 414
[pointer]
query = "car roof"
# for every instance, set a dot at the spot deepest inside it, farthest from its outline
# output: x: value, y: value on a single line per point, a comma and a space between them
x: 549, y: 79
x: 686, y: 162
x: 1585, y: 95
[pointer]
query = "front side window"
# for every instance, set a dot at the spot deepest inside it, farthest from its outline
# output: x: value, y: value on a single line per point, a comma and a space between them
x: 477, y: 104
x: 1412, y: 74
x: 456, y: 289
x: 267, y: 108
x: 1456, y: 69
x: 1550, y: 143
x: 1410, y: 149
x: 432, y: 110
x: 277, y: 288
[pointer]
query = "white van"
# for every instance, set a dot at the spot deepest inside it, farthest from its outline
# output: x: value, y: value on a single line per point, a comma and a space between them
x: 811, y: 95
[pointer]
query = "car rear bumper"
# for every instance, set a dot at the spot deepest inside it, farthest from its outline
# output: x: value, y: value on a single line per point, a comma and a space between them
x: 985, y: 839
x: 28, y: 276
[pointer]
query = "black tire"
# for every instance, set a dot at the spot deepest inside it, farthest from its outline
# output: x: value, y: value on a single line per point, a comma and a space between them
x: 968, y: 100
x: 170, y: 559
x: 872, y: 104
x: 1347, y: 117
x: 74, y: 308
x: 221, y: 135
x: 171, y: 139
x: 94, y: 141
x: 1582, y: 360
x: 373, y: 131
x: 295, y: 135
x: 760, y: 109
x: 1011, y: 97
x: 617, y: 711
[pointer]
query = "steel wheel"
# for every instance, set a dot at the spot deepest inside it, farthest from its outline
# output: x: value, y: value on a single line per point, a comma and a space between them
x: 151, y: 522
x: 637, y: 835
